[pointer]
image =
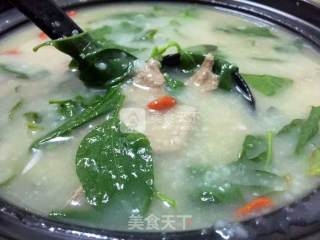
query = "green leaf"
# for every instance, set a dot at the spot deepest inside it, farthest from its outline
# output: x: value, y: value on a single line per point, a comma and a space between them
x: 33, y: 119
x: 66, y: 108
x: 16, y: 107
x: 129, y: 27
x: 225, y: 70
x: 267, y: 84
x: 99, y: 65
x: 314, y: 163
x: 133, y: 15
x: 309, y: 128
x: 228, y: 183
x: 189, y: 12
x: 292, y: 47
x: 293, y: 125
x: 148, y: 35
x: 11, y: 70
x: 264, y: 59
x: 108, y: 160
x: 164, y: 198
x: 105, y: 105
x: 257, y: 150
x: 249, y: 31
x: 158, y: 52
x: 106, y: 67
x: 222, y: 194
x: 173, y: 84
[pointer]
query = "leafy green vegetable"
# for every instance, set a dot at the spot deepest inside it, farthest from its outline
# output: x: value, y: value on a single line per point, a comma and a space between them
x: 106, y: 67
x: 124, y: 204
x: 225, y: 70
x: 129, y: 27
x: 189, y: 12
x: 223, y: 184
x: 158, y: 52
x: 192, y: 57
x: 66, y: 108
x: 292, y: 47
x: 33, y: 120
x: 257, y: 150
x: 11, y: 70
x: 108, y: 160
x: 267, y: 84
x: 251, y: 31
x: 224, y: 194
x: 165, y: 198
x: 314, y: 163
x: 16, y: 107
x: 99, y: 65
x: 148, y: 35
x: 175, y: 23
x: 264, y: 59
x: 102, y: 105
x: 228, y: 183
x: 133, y: 15
x: 294, y: 124
x: 309, y: 128
x: 173, y: 84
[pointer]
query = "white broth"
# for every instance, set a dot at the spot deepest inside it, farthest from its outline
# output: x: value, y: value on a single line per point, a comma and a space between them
x: 209, y: 136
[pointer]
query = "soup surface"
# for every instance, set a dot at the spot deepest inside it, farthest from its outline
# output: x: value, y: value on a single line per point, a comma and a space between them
x: 170, y: 148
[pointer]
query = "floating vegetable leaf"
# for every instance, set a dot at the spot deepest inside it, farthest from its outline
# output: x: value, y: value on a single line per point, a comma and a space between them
x: 257, y: 150
x: 267, y: 84
x: 226, y: 72
x: 15, y: 108
x: 173, y: 84
x: 108, y: 160
x: 11, y: 70
x: 292, y: 47
x: 33, y: 119
x: 164, y: 198
x: 294, y: 124
x: 148, y: 35
x: 309, y: 128
x: 175, y: 23
x: 66, y: 108
x: 223, y: 184
x: 314, y: 163
x: 103, y: 106
x: 133, y: 15
x: 106, y: 67
x: 129, y: 27
x: 189, y: 12
x: 251, y: 31
x: 158, y: 52
x: 221, y: 194
x: 98, y: 65
x: 265, y: 59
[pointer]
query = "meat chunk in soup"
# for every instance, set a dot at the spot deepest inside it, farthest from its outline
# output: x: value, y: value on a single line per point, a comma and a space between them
x: 204, y: 77
x: 150, y: 76
x: 167, y: 131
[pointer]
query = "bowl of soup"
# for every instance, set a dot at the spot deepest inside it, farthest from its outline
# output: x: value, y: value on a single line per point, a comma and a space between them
x: 172, y: 145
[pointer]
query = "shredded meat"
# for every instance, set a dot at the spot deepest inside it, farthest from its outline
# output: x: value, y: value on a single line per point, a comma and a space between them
x: 204, y: 77
x: 150, y: 76
x: 167, y: 131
